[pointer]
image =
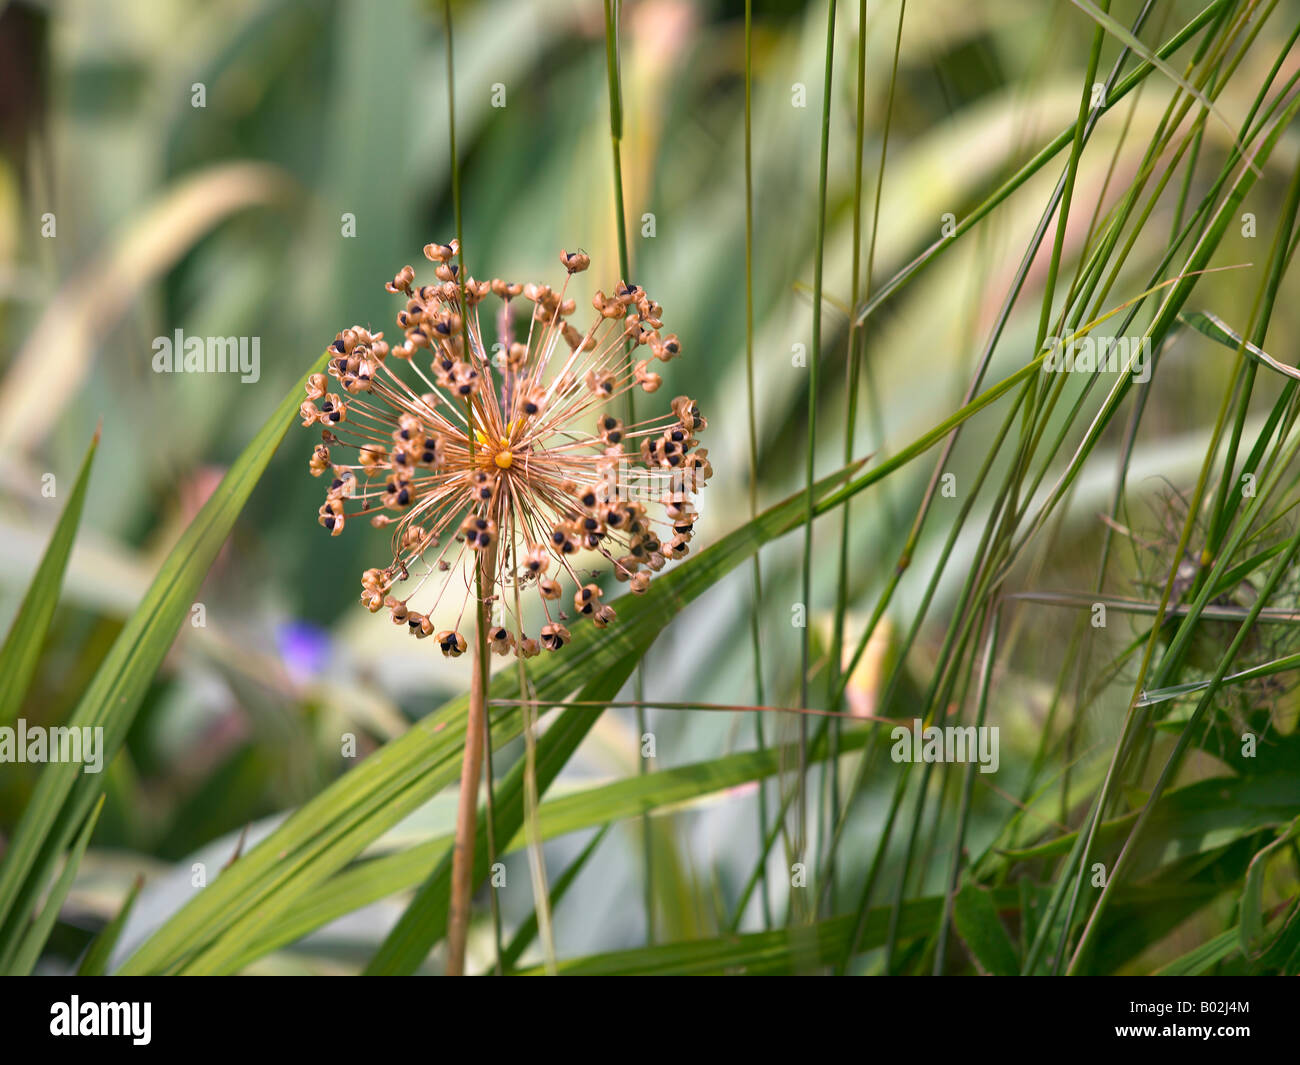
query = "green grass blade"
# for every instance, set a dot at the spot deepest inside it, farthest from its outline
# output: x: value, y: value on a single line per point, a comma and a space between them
x: 22, y: 647
x: 425, y: 920
x: 335, y: 826
x: 1251, y: 937
x: 527, y: 931
x: 377, y: 878
x: 33, y: 941
x: 64, y: 794
x: 95, y: 962
x: 1206, y: 956
x: 1216, y: 329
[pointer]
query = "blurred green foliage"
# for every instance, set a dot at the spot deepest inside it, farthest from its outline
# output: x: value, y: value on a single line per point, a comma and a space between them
x: 229, y: 219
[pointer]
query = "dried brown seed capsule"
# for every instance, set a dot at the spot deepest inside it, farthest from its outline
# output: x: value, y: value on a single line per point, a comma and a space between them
x: 453, y: 644
x: 586, y: 599
x: 554, y: 636
x: 575, y: 261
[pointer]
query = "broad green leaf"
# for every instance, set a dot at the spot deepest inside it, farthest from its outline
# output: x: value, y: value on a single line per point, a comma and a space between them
x: 976, y: 919
x: 778, y: 950
x: 330, y: 830
x: 22, y: 647
x: 425, y: 919
x: 373, y: 879
x: 756, y: 952
x: 64, y: 794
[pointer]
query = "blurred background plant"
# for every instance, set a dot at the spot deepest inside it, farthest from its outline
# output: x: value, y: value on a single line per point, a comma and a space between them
x: 259, y: 168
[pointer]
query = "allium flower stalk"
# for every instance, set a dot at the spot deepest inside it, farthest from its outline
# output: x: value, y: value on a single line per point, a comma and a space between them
x: 508, y: 452
x: 508, y: 458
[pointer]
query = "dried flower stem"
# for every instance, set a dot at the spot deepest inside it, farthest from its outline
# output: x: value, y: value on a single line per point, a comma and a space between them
x: 462, y: 862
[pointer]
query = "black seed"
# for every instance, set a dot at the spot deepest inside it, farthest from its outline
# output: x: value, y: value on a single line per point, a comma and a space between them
x: 329, y: 522
x: 403, y: 497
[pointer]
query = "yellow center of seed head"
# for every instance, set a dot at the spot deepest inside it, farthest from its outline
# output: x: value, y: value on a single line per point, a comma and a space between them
x: 504, y: 459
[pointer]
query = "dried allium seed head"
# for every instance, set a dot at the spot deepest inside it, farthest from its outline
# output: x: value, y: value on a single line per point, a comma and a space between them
x: 508, y: 455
